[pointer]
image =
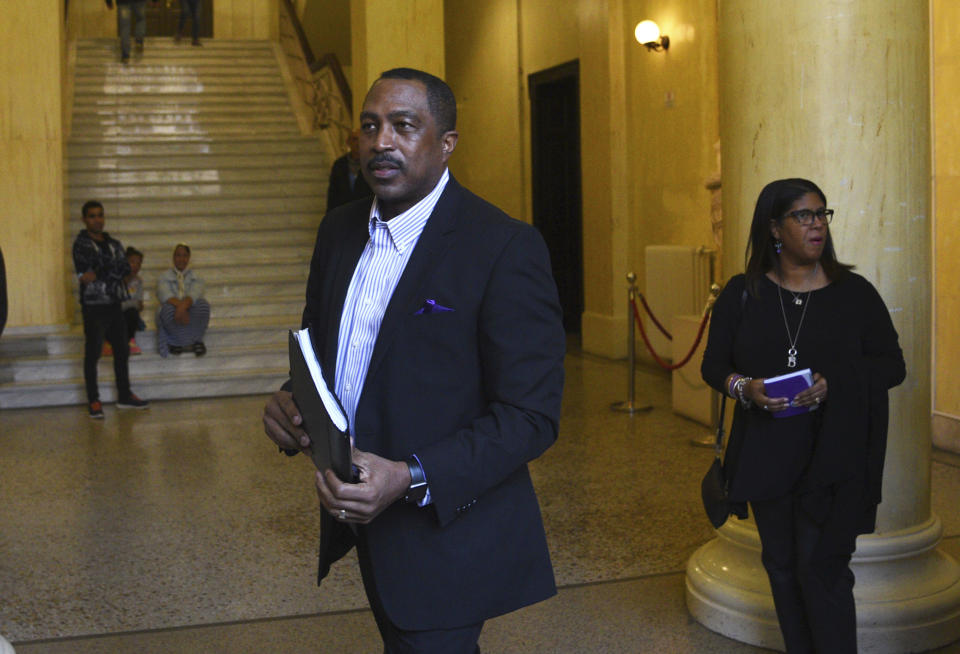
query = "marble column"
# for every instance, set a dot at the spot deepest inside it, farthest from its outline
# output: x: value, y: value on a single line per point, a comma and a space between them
x: 837, y: 91
x: 606, y: 181
x: 387, y: 34
x: 31, y: 162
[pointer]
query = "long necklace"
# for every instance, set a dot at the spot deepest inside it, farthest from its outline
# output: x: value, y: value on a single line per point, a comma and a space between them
x: 796, y: 296
x: 792, y: 340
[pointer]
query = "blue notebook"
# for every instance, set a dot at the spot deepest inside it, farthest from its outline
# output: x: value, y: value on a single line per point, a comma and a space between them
x: 788, y: 386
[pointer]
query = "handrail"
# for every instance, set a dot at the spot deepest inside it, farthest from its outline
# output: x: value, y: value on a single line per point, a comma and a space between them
x: 301, y: 35
x: 321, y: 84
x: 331, y: 61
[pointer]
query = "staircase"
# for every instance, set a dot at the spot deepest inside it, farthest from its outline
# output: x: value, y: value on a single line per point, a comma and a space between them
x: 194, y: 145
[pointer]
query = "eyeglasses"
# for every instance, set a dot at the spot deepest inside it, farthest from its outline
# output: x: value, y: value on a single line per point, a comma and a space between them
x: 805, y: 216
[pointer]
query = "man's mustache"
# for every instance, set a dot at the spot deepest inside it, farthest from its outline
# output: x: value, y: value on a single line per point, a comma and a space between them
x: 384, y: 158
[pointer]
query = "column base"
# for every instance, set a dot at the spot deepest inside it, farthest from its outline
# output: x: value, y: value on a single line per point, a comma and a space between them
x: 907, y: 590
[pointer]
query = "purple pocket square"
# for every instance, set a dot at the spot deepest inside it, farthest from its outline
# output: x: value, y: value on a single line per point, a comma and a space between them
x: 431, y: 306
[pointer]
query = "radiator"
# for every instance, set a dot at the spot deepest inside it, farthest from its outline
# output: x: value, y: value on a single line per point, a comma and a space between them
x: 677, y: 284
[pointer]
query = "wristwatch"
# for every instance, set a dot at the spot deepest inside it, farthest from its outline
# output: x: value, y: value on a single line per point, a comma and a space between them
x: 417, y: 489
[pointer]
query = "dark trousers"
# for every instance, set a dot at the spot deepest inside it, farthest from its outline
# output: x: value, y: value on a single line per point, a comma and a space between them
x: 191, y: 8
x: 133, y: 12
x: 132, y: 319
x: 398, y: 641
x: 99, y: 322
x: 812, y: 586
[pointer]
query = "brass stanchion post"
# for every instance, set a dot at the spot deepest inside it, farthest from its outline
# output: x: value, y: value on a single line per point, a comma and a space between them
x: 715, y: 397
x: 629, y: 406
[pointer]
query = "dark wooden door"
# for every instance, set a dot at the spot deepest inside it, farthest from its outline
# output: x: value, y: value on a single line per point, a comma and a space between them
x: 164, y: 16
x: 555, y: 152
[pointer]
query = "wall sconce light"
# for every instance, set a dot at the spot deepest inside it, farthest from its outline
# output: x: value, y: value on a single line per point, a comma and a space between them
x: 648, y: 33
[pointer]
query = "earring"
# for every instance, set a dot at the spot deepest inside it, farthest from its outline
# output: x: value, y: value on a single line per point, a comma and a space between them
x: 778, y: 246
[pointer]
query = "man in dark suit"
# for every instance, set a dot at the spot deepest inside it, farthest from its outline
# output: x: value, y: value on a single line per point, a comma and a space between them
x: 346, y: 182
x: 436, y: 320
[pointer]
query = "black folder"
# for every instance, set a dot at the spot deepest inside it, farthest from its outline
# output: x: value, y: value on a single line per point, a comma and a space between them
x: 330, y: 445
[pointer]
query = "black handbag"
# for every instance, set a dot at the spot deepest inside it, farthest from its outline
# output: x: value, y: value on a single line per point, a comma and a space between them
x: 713, y: 488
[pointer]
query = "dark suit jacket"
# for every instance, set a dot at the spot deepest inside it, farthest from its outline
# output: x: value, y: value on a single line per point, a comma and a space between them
x: 474, y: 392
x: 339, y: 191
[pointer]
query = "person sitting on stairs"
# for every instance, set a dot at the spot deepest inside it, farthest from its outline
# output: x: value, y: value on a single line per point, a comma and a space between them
x: 183, y: 314
x: 133, y: 305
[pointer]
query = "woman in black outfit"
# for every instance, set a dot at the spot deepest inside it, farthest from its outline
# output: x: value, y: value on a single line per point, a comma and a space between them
x: 813, y: 480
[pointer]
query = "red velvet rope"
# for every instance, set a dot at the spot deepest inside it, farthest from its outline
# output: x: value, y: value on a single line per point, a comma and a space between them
x: 646, y: 307
x: 663, y: 364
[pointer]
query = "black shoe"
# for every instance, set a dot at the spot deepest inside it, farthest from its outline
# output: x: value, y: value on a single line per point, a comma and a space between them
x: 132, y: 402
x: 199, y: 348
x: 125, y: 59
x: 139, y: 45
x: 175, y: 349
x: 96, y: 410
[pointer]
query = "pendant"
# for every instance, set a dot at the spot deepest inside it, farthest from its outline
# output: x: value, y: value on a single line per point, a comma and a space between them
x: 792, y: 357
x: 797, y: 300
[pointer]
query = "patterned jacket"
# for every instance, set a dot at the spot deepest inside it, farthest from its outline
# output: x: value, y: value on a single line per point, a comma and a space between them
x: 109, y: 261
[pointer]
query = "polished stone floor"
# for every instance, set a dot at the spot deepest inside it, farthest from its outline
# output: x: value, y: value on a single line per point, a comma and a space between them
x: 180, y: 529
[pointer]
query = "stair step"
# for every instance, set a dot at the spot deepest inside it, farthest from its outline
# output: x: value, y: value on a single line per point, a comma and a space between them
x: 136, y: 104
x: 253, y: 295
x: 234, y: 299
x: 137, y: 227
x: 69, y: 367
x: 235, y: 88
x: 264, y: 331
x: 210, y: 381
x: 187, y: 176
x: 314, y: 162
x: 140, y: 111
x: 164, y: 148
x: 120, y: 208
x: 215, y: 275
x: 157, y: 245
x: 288, y: 189
x: 105, y: 120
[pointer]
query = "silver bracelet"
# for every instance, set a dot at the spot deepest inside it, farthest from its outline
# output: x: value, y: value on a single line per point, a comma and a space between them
x: 739, y: 387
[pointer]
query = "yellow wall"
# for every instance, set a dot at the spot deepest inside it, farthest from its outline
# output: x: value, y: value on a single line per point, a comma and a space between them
x: 90, y: 19
x: 674, y: 124
x: 31, y: 161
x: 327, y: 26
x: 484, y: 77
x: 946, y: 146
x: 245, y: 19
x: 388, y: 34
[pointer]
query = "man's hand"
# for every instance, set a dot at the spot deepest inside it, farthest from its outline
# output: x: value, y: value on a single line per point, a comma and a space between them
x: 181, y: 316
x: 382, y: 482
x: 88, y: 277
x: 282, y: 420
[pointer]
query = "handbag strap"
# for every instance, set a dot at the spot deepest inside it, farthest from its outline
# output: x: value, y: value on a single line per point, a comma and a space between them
x: 718, y: 446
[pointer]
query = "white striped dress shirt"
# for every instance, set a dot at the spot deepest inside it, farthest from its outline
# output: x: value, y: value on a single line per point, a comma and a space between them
x: 379, y: 269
